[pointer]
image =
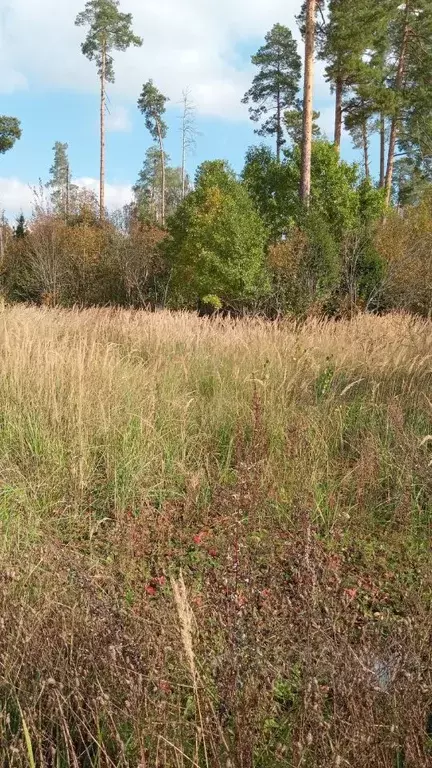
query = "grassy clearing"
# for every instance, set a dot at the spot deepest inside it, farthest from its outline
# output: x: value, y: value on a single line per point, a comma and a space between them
x: 215, y: 541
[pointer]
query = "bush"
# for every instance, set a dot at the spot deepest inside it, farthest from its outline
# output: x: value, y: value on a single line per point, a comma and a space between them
x: 81, y: 262
x: 405, y: 245
x: 305, y: 267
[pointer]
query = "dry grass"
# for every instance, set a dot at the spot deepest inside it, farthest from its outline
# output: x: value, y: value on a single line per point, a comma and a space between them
x: 215, y: 541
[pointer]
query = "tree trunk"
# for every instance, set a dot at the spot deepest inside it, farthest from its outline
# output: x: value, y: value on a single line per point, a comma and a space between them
x: 102, y: 137
x: 365, y: 140
x: 395, y: 119
x: 184, y: 161
x: 67, y: 192
x: 278, y: 127
x: 338, y: 114
x: 163, y: 174
x: 305, y: 179
x: 382, y: 151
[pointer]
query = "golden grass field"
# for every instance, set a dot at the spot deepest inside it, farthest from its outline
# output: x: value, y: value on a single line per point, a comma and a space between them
x: 215, y: 541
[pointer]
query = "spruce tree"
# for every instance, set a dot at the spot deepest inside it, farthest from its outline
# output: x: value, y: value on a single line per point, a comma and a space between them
x: 275, y: 87
x: 62, y: 190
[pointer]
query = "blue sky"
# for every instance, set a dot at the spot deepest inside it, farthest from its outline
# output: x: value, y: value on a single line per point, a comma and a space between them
x: 198, y: 44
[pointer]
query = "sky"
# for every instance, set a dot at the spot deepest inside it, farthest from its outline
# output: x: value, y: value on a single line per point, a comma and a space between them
x: 202, y: 45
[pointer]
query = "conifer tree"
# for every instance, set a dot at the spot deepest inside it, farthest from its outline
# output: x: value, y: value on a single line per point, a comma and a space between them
x: 151, y: 104
x: 62, y: 190
x: 108, y: 30
x: 274, y: 88
x: 306, y: 148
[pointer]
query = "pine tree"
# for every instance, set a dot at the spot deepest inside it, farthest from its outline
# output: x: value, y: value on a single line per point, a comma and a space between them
x: 62, y: 190
x: 275, y: 87
x: 10, y: 132
x: 151, y: 104
x: 411, y: 118
x: 306, y: 153
x: 108, y: 30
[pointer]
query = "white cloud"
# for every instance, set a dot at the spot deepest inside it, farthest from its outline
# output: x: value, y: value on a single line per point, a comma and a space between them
x: 118, y: 120
x: 191, y: 43
x: 17, y: 196
x: 116, y: 195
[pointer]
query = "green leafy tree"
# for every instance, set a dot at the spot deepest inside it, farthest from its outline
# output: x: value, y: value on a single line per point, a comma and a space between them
x: 108, y: 30
x: 148, y: 188
x: 152, y: 104
x: 217, y: 239
x: 10, y: 132
x: 62, y: 190
x: 275, y: 87
x: 274, y: 190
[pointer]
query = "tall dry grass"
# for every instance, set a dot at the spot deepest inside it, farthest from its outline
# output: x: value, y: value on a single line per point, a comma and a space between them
x: 215, y: 540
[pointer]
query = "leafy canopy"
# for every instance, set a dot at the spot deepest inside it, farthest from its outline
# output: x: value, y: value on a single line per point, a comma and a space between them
x: 10, y: 132
x: 109, y: 30
x: 217, y: 240
x: 335, y: 189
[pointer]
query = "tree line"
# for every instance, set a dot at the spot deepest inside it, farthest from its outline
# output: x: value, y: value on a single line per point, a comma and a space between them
x: 299, y: 227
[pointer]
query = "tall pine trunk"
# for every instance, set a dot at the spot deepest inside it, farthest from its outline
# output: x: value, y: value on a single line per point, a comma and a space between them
x: 382, y: 150
x: 399, y: 84
x: 306, y: 158
x: 183, y: 168
x: 279, y: 126
x: 365, y: 140
x: 162, y: 153
x: 338, y: 113
x: 102, y: 136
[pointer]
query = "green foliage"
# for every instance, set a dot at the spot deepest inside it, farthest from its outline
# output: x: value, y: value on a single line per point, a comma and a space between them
x: 10, y: 132
x: 152, y: 104
x: 335, y: 190
x: 273, y: 187
x: 109, y: 30
x: 275, y: 86
x: 216, y: 244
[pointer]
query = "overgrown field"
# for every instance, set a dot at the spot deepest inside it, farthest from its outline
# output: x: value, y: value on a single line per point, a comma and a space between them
x: 215, y: 541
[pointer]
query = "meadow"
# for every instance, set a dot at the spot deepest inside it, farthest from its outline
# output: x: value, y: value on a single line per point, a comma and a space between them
x: 215, y: 541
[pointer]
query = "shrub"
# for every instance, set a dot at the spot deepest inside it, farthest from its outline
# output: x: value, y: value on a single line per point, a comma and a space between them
x: 405, y: 245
